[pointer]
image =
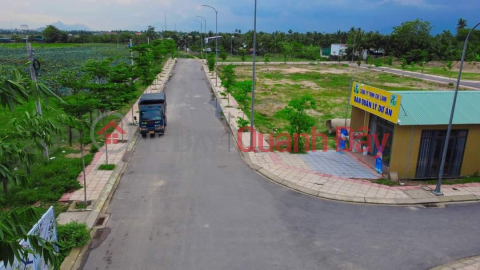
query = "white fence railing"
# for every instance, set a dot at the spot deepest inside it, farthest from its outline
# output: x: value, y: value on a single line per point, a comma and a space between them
x: 46, y: 228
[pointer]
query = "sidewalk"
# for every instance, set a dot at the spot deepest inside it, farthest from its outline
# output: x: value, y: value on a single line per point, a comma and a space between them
x: 332, y: 175
x: 97, y: 179
x: 471, y: 263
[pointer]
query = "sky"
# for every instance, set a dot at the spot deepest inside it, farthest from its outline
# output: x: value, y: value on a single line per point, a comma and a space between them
x: 272, y: 15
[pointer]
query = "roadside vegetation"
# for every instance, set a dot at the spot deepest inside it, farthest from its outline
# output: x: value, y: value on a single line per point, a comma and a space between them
x: 328, y: 85
x: 32, y: 180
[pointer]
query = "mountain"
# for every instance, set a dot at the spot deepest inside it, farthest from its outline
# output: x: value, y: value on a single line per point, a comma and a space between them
x: 70, y: 27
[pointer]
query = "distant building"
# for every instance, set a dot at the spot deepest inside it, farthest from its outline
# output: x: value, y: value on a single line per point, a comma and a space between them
x: 338, y: 49
x: 138, y: 34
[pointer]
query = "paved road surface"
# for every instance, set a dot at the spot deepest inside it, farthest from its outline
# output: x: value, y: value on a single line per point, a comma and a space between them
x: 198, y: 207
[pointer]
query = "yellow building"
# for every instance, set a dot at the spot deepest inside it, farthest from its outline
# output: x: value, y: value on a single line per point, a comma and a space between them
x: 417, y: 134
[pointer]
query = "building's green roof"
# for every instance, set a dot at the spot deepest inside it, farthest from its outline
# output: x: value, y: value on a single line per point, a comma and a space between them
x: 434, y: 107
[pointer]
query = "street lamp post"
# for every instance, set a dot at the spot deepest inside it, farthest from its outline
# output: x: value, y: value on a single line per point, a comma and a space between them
x: 205, y: 32
x: 437, y: 190
x: 201, y: 42
x: 252, y: 115
x: 216, y: 42
x: 231, y: 47
x: 353, y: 50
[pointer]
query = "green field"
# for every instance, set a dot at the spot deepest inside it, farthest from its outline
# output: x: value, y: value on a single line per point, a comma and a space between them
x: 273, y: 58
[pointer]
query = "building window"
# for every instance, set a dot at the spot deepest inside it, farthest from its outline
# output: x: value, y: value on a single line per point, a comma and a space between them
x: 431, y: 150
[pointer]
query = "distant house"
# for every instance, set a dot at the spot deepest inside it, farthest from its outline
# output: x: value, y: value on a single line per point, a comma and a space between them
x: 138, y: 34
x: 338, y: 49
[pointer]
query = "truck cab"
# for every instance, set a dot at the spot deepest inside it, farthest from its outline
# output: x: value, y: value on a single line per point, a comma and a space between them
x: 152, y: 113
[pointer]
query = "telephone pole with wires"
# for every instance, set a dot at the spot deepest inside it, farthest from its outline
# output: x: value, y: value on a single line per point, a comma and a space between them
x: 33, y: 76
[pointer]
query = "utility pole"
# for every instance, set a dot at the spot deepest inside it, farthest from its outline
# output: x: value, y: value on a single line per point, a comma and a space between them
x: 231, y: 47
x: 216, y: 42
x: 252, y: 115
x: 437, y: 190
x: 131, y: 52
x: 38, y: 105
x: 165, y: 20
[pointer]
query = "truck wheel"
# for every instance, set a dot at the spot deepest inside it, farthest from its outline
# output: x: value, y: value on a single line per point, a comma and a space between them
x: 165, y: 121
x: 144, y: 135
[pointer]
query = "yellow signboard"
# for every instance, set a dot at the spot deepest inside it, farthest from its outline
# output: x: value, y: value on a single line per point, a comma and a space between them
x: 376, y: 101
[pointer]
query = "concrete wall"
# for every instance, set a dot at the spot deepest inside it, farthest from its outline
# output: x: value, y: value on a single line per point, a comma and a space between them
x: 401, y: 147
x: 358, y: 118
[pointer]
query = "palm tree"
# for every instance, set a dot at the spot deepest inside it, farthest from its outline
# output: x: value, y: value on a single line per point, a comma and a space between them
x: 462, y: 23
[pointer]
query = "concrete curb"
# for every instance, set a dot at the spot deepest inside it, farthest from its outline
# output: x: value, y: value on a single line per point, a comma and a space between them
x: 336, y: 197
x: 465, y: 263
x: 74, y: 259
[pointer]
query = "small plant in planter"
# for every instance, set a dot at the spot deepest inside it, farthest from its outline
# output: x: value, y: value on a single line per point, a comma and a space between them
x: 81, y: 205
x: 106, y: 167
x: 243, y: 123
x: 224, y: 94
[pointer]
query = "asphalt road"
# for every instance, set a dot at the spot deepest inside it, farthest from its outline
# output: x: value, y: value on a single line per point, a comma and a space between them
x: 427, y: 77
x: 186, y: 202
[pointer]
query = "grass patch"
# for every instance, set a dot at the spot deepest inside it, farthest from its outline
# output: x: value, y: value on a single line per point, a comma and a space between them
x: 439, y: 71
x: 48, y: 181
x: 463, y: 180
x: 385, y: 182
x: 107, y: 167
x: 72, y: 235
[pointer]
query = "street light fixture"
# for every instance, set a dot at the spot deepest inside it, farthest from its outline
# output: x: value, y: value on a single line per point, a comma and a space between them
x: 437, y: 190
x: 252, y: 115
x: 216, y: 41
x: 205, y: 32
x: 201, y: 42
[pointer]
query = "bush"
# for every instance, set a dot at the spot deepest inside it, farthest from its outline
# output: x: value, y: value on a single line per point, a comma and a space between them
x: 223, y: 54
x: 378, y: 62
x: 72, y: 235
x: 267, y: 58
x: 243, y: 54
x: 93, y: 149
x: 389, y: 61
x: 242, y: 123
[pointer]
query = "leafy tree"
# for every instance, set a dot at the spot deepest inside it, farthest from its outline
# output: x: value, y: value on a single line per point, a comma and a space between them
x: 462, y: 23
x: 53, y: 34
x: 143, y: 64
x: 223, y: 54
x: 211, y: 62
x: 241, y: 91
x: 411, y: 35
x: 412, y: 64
x: 359, y: 62
x: 243, y: 54
x: 228, y: 80
x: 299, y: 120
x: 287, y: 51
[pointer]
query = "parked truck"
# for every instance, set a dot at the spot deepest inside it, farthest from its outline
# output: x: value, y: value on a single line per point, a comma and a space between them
x: 153, y: 113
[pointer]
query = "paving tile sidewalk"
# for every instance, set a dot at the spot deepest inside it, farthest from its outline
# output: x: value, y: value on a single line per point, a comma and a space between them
x: 97, y: 179
x: 471, y: 263
x: 333, y: 175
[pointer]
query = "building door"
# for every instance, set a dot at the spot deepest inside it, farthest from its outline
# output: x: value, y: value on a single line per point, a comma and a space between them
x: 431, y: 150
x: 380, y: 127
